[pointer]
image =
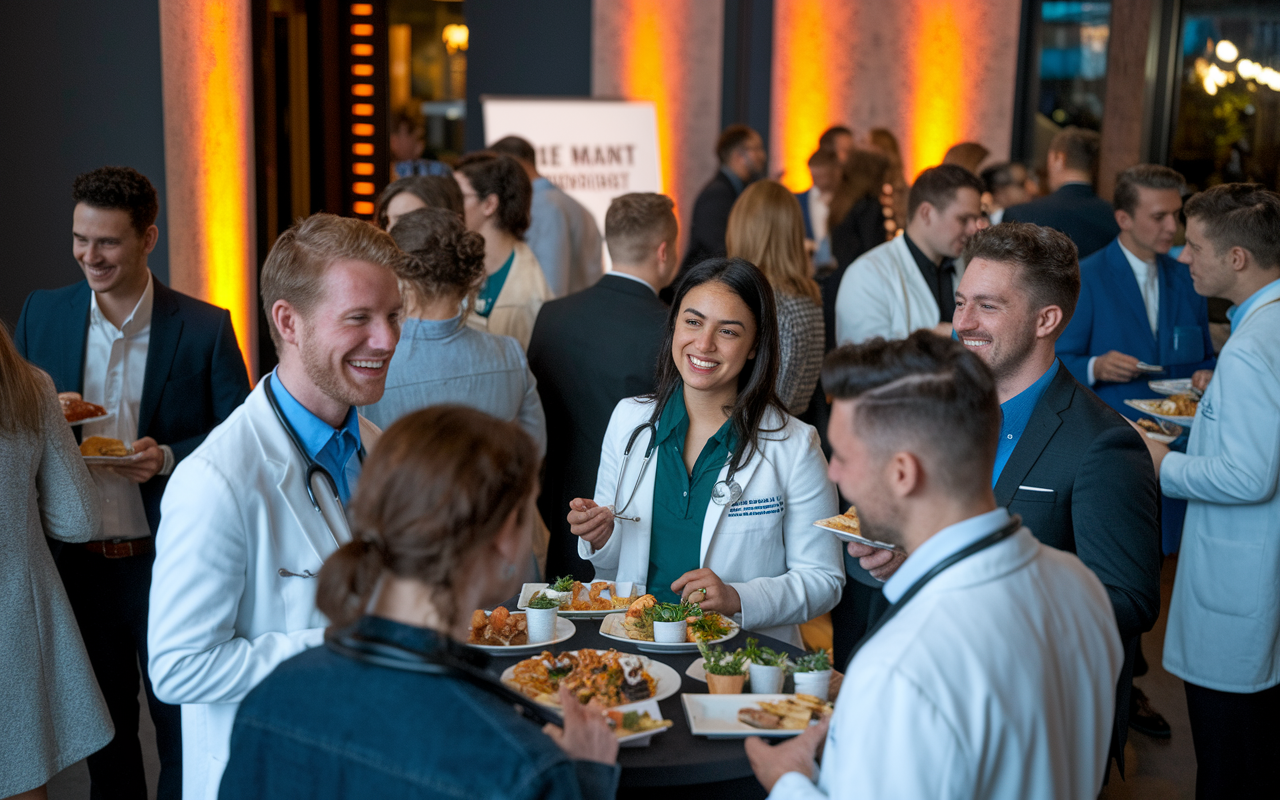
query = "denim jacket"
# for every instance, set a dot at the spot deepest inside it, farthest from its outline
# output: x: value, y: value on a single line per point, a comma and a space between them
x: 323, y: 725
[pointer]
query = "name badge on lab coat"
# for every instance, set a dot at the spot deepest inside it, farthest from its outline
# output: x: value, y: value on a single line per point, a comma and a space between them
x: 756, y: 508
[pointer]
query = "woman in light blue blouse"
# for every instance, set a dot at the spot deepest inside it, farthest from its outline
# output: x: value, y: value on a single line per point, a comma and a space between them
x: 440, y: 359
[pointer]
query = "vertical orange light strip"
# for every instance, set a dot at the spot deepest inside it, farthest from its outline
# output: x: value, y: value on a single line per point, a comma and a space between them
x: 940, y: 89
x: 646, y: 75
x: 802, y: 84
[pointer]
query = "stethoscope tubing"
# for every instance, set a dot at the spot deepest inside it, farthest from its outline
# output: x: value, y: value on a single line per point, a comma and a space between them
x: 724, y: 493
x: 312, y: 465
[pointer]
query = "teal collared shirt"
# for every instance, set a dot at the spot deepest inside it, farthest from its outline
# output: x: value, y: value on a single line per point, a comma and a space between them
x: 335, y: 449
x: 493, y: 287
x: 1015, y: 413
x: 1241, y: 311
x: 680, y: 500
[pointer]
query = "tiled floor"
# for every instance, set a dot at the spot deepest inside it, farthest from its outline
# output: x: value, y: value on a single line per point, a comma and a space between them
x: 1157, y: 769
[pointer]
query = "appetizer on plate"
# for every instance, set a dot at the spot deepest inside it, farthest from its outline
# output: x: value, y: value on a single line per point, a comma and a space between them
x: 606, y: 676
x: 103, y: 446
x: 577, y: 596
x: 847, y: 522
x: 75, y: 408
x: 626, y: 723
x: 500, y: 627
x: 1177, y: 405
x: 703, y: 626
x: 792, y: 713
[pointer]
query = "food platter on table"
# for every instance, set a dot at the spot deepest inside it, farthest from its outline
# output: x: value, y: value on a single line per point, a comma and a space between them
x: 1179, y: 408
x: 847, y: 528
x: 635, y: 724
x: 608, y: 676
x: 636, y: 627
x: 734, y: 716
x: 512, y: 639
x: 577, y: 600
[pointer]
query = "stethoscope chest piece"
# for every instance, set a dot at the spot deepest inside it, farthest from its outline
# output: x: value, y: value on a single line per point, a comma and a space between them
x: 726, y: 493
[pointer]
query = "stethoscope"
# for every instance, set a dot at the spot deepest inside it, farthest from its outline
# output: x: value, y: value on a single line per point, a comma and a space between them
x: 724, y: 493
x: 312, y: 465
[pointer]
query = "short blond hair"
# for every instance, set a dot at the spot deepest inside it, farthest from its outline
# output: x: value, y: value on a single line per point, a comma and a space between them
x: 295, y: 267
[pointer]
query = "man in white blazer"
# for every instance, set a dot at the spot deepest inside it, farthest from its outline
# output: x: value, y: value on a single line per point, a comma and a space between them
x: 241, y: 539
x: 909, y: 282
x: 993, y: 675
x: 1224, y: 619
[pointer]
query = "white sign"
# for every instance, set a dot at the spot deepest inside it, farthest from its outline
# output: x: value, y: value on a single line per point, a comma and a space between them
x: 594, y: 150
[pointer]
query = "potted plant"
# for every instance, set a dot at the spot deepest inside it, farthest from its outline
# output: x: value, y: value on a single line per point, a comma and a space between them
x: 768, y: 668
x: 726, y: 672
x: 541, y: 615
x: 670, y: 621
x: 813, y: 674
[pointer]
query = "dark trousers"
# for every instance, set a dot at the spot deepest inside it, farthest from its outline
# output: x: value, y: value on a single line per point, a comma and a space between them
x: 860, y: 607
x: 109, y: 596
x: 1237, y: 742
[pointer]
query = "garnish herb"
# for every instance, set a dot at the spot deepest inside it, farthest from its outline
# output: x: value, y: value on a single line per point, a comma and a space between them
x: 764, y: 656
x: 562, y: 584
x: 816, y: 661
x: 716, y: 661
x: 672, y: 612
x: 543, y: 600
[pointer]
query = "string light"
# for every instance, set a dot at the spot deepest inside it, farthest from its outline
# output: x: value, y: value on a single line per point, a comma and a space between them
x: 1226, y: 51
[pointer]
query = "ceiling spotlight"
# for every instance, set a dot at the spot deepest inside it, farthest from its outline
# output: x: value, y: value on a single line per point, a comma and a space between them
x: 1226, y: 51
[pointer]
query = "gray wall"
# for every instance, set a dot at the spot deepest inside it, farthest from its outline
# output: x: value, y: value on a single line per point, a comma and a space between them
x: 81, y: 90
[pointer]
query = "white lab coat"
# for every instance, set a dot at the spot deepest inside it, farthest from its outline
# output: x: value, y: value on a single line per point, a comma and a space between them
x: 996, y: 681
x: 765, y: 546
x: 883, y: 294
x: 1224, y: 619
x: 234, y: 514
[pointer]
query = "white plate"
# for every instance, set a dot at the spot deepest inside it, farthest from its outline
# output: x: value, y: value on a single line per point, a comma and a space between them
x: 698, y: 673
x: 1143, y: 366
x: 845, y: 536
x: 1146, y: 406
x: 109, y: 460
x: 528, y: 590
x: 1172, y: 386
x: 88, y: 420
x: 643, y: 738
x: 565, y: 630
x: 716, y: 715
x: 1172, y: 432
x: 611, y: 628
x: 668, y: 680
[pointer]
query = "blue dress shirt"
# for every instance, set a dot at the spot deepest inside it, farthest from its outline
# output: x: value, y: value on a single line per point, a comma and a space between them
x: 331, y: 448
x: 1015, y: 414
x: 942, y: 545
x: 1242, y: 310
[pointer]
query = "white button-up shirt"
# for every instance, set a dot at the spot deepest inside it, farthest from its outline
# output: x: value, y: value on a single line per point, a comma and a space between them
x: 115, y: 363
x: 1148, y: 277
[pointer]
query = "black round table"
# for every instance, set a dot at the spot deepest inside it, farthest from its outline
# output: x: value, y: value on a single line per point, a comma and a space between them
x: 674, y: 757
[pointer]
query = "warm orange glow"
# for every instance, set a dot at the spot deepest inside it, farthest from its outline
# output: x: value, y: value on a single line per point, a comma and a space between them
x: 362, y: 109
x: 362, y: 70
x: 362, y: 90
x: 362, y: 129
x: 802, y: 84
x: 361, y: 9
x: 362, y: 187
x: 939, y: 93
x: 455, y: 38
x: 361, y: 49
x: 362, y: 149
x: 363, y: 207
x: 362, y: 168
x: 649, y: 74
x: 362, y: 29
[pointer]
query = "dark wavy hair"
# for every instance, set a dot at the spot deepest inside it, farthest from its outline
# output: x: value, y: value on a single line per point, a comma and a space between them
x: 492, y: 173
x: 119, y: 187
x: 759, y: 376
x: 443, y: 257
x: 437, y: 191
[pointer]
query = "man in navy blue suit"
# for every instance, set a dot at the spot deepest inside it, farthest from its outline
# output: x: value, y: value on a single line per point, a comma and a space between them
x: 167, y: 369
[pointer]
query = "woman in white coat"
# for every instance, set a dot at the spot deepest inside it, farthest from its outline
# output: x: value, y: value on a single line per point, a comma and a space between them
x: 723, y: 516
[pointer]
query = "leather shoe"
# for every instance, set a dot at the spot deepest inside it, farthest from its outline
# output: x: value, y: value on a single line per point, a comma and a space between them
x: 1145, y: 719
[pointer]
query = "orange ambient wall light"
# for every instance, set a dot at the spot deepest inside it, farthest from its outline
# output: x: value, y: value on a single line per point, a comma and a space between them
x: 649, y: 74
x: 802, y: 85
x: 365, y: 107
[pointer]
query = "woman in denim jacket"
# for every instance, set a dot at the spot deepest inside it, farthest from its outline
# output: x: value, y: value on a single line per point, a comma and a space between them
x: 442, y: 520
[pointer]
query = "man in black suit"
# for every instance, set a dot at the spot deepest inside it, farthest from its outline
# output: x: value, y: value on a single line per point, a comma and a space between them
x: 594, y: 348
x: 742, y: 161
x: 1066, y: 461
x: 168, y: 370
x: 1072, y: 207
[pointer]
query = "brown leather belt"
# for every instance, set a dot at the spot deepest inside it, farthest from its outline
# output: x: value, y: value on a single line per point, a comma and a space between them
x: 122, y: 548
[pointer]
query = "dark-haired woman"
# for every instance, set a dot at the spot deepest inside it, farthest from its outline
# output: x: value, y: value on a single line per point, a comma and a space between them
x: 440, y: 359
x: 440, y: 521
x: 722, y: 513
x: 496, y: 197
x: 415, y: 192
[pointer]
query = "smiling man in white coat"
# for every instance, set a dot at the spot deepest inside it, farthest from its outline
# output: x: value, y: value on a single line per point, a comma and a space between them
x: 250, y: 516
x: 993, y: 673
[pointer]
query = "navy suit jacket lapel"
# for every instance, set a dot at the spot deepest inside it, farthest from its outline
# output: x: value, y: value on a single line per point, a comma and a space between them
x: 1044, y: 423
x: 166, y: 328
x: 71, y: 365
x: 1130, y: 293
x: 1168, y: 316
